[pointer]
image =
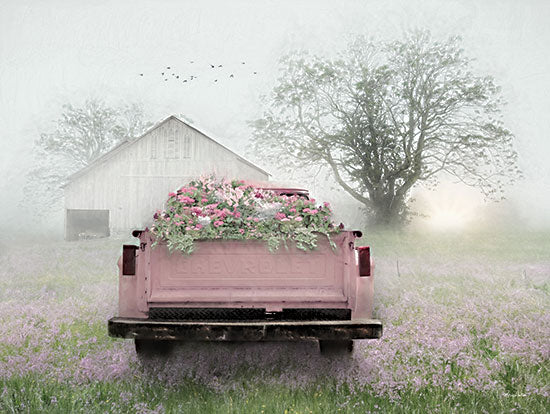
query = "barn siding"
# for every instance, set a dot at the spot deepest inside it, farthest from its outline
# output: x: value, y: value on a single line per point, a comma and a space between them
x: 132, y: 184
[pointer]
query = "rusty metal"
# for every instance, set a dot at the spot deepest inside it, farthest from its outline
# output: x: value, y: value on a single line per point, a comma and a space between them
x: 207, y: 314
x: 245, y: 331
x: 247, y: 314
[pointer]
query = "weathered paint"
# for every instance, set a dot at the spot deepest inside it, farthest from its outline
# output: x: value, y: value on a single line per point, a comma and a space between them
x: 127, y: 288
x: 245, y: 331
x: 225, y: 273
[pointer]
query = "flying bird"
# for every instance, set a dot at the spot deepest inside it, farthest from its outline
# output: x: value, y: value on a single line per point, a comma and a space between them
x: 219, y: 66
x: 191, y: 61
x: 167, y: 67
x: 185, y: 80
x: 212, y: 66
x: 215, y: 80
x: 178, y: 76
x: 231, y: 76
x: 242, y: 63
x: 255, y: 73
x: 141, y: 74
x: 162, y: 73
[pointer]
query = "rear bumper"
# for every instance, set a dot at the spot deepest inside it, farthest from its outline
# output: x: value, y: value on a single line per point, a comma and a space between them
x: 245, y: 331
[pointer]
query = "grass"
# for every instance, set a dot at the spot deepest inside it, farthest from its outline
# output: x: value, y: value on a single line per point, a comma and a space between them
x: 36, y: 395
x: 466, y: 329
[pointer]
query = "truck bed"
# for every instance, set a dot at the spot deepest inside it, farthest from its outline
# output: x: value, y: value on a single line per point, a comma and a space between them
x: 239, y: 291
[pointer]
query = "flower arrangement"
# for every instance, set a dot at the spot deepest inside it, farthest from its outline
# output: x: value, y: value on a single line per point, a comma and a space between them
x: 209, y: 208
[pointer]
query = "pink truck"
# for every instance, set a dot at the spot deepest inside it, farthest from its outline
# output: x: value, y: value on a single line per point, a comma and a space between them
x: 232, y: 290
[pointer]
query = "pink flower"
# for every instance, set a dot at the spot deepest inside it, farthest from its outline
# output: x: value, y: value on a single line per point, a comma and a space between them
x: 314, y: 211
x: 237, y: 214
x: 250, y: 218
x: 218, y: 223
x: 326, y: 204
x: 204, y: 200
x: 307, y: 210
x: 241, y: 231
x: 298, y: 218
x: 186, y: 199
x: 188, y: 228
x: 198, y: 226
x: 292, y: 210
x: 285, y: 219
x: 171, y: 194
x: 280, y: 216
x: 221, y: 213
x: 256, y: 219
x: 188, y: 190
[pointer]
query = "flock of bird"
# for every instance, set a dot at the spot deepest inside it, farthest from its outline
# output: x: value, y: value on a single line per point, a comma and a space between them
x: 169, y: 73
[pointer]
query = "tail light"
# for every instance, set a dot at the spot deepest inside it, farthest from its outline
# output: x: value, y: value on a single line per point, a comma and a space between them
x: 364, y: 261
x: 129, y: 259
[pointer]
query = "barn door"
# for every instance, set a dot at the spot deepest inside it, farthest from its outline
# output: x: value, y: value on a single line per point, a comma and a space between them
x: 86, y: 224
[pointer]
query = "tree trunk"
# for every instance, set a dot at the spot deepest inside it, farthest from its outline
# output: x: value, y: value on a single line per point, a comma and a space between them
x: 387, y: 211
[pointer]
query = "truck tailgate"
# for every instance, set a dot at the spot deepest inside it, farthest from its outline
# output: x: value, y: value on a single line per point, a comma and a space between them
x: 232, y: 271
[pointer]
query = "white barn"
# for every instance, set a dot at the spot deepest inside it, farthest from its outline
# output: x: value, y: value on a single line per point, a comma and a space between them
x: 122, y: 189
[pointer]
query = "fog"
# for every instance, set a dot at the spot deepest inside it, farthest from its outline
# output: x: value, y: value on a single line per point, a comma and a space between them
x: 58, y: 52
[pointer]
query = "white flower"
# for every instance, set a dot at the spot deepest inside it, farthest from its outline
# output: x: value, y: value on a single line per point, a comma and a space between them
x: 268, y: 210
x: 204, y: 221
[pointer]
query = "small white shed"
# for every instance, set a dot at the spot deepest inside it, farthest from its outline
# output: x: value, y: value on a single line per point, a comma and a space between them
x: 122, y: 189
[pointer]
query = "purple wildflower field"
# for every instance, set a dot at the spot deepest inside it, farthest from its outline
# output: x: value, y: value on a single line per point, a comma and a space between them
x: 459, y: 315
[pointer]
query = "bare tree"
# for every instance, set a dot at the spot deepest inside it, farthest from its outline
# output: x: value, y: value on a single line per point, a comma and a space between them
x: 81, y: 135
x: 386, y: 116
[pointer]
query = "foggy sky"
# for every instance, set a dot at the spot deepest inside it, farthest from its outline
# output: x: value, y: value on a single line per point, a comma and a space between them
x: 56, y: 52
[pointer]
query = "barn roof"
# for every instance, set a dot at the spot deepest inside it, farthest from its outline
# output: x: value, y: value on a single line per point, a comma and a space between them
x: 128, y: 142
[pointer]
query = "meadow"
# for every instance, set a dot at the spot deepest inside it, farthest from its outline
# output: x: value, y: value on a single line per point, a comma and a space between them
x: 466, y: 329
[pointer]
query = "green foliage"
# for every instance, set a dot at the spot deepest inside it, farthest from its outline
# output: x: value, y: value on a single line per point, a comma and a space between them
x: 209, y: 209
x: 179, y: 241
x: 30, y: 394
x: 385, y: 116
x: 81, y: 135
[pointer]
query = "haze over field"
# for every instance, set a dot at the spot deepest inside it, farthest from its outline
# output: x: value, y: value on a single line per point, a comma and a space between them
x: 464, y: 298
x: 64, y: 52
